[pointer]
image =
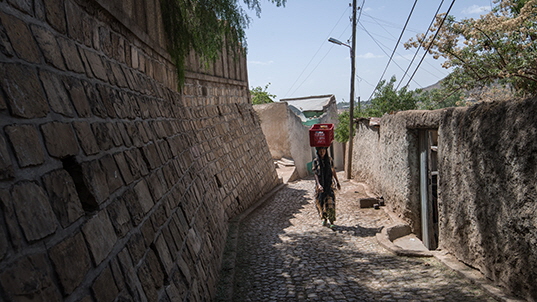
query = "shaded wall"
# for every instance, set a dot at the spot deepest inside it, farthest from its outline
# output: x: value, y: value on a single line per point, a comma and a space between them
x: 286, y: 135
x: 487, y: 195
x: 114, y: 186
x: 487, y: 191
x: 387, y: 157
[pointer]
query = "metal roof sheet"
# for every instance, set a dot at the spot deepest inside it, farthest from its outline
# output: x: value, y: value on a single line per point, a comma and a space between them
x: 311, y: 103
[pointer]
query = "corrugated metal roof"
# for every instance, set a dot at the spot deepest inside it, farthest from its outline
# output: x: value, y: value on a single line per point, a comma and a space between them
x: 311, y: 103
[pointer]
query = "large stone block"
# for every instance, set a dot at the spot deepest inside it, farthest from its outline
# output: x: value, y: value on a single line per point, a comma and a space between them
x: 63, y: 196
x: 60, y: 139
x: 15, y: 234
x: 151, y: 275
x: 3, y: 242
x: 86, y: 138
x: 6, y: 167
x: 72, y: 262
x: 120, y: 217
x: 71, y: 55
x: 33, y: 209
x: 25, y: 141
x: 100, y: 235
x: 124, y: 167
x: 136, y: 247
x: 164, y: 254
x: 56, y: 94
x: 96, y: 64
x: 156, y: 184
x: 30, y: 278
x: 143, y: 196
x: 96, y: 180
x: 104, y: 288
x: 21, y: 38
x: 49, y: 46
x: 130, y: 199
x: 55, y: 14
x: 23, y: 89
x: 103, y: 135
x: 78, y: 96
x: 113, y: 175
x: 129, y: 273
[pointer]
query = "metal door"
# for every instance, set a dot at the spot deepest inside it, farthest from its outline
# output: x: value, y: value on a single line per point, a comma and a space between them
x: 428, y: 145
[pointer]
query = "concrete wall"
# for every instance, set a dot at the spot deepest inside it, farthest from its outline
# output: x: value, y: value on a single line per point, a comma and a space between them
x: 274, y: 119
x: 285, y: 134
x: 487, y: 195
x: 114, y: 186
x: 299, y: 143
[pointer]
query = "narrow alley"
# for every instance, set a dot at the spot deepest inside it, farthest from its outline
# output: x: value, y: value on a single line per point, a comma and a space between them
x: 283, y: 253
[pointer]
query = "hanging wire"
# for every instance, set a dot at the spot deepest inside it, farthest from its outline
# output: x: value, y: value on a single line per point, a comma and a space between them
x: 395, y: 48
x: 322, y: 44
x: 430, y: 44
x: 418, y: 49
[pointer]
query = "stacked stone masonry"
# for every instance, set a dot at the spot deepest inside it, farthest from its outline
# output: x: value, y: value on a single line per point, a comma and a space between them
x: 113, y: 185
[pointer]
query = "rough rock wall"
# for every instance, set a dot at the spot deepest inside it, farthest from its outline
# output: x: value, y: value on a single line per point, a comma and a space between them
x: 487, y: 164
x: 487, y: 191
x: 387, y: 158
x: 114, y: 186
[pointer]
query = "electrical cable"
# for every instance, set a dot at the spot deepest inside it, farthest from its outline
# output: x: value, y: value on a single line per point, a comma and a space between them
x: 418, y: 48
x: 381, y: 46
x: 430, y: 44
x: 290, y: 88
x: 395, y: 48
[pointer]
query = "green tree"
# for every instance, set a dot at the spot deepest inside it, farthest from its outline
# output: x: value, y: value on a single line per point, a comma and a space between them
x: 438, y: 98
x: 206, y: 27
x: 261, y: 96
x: 341, y: 132
x: 386, y: 99
x: 498, y: 48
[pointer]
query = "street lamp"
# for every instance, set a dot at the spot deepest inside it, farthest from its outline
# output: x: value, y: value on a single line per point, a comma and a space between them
x: 348, y: 163
x: 336, y: 41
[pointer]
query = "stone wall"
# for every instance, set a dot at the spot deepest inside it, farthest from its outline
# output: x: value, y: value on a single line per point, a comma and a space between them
x: 114, y: 186
x: 387, y: 158
x: 286, y: 135
x: 487, y: 195
x: 487, y: 191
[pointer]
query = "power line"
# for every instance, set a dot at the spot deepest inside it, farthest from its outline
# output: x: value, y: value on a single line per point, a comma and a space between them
x: 395, y: 48
x: 381, y: 46
x: 418, y: 49
x: 430, y: 44
x: 322, y: 44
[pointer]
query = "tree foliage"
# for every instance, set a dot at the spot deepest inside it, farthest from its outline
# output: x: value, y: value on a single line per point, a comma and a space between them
x: 341, y: 132
x: 205, y: 27
x: 387, y: 99
x: 438, y: 98
x: 261, y: 95
x: 498, y: 48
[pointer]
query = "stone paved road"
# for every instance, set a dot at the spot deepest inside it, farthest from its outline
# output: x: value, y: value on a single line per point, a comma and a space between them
x: 285, y: 254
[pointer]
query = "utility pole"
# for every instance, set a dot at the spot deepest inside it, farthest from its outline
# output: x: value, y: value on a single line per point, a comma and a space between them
x: 348, y: 168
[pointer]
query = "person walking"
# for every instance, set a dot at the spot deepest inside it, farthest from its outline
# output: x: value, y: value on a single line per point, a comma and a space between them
x: 325, y: 174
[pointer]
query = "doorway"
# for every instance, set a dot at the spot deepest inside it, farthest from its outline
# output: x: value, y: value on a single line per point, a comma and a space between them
x: 428, y: 149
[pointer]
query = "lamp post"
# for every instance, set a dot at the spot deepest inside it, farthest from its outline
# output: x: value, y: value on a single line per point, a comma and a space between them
x: 348, y: 163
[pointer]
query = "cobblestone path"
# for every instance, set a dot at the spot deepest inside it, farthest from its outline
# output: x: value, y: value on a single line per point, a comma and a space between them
x: 285, y: 254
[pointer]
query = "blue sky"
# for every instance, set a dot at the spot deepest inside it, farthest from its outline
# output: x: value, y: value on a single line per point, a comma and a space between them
x: 288, y: 46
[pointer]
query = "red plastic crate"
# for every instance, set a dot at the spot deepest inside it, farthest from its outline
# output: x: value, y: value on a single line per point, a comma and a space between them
x: 321, y: 135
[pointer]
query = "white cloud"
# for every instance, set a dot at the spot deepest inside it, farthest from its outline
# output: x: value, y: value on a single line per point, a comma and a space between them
x: 260, y: 63
x: 369, y: 56
x: 476, y: 10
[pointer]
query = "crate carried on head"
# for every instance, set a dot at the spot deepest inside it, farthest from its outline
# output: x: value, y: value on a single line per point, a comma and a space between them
x: 321, y: 135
